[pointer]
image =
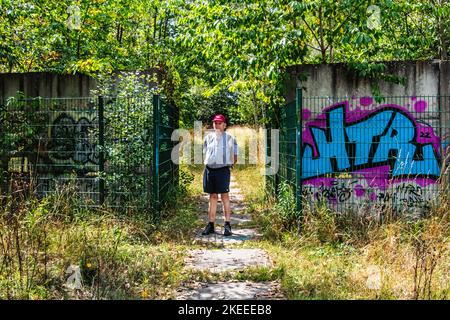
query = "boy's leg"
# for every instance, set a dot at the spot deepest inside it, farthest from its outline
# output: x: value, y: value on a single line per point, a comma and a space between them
x: 227, y: 213
x: 226, y: 206
x: 209, y: 186
x: 224, y: 187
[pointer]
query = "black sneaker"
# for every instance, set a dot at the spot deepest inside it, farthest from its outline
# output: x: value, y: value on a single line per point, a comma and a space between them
x: 227, y: 231
x: 209, y: 229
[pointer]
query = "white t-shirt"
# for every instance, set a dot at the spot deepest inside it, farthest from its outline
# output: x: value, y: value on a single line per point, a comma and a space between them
x: 219, y: 150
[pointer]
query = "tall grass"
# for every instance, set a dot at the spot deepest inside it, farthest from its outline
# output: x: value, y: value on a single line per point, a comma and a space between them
x: 368, y: 254
x: 44, y: 241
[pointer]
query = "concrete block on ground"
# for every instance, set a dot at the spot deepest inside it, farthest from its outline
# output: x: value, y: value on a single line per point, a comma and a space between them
x: 218, y: 239
x: 224, y: 260
x: 233, y: 291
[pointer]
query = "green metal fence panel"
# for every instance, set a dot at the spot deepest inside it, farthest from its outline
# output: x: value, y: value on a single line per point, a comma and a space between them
x: 155, y: 164
x: 365, y: 152
x: 103, y: 147
x: 298, y: 156
x: 128, y: 148
x: 101, y: 143
x: 287, y: 146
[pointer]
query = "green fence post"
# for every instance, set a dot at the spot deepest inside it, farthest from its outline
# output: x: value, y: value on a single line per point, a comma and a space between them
x: 101, y: 138
x: 298, y: 158
x: 445, y: 152
x: 149, y: 204
x: 156, y: 120
x: 268, y: 179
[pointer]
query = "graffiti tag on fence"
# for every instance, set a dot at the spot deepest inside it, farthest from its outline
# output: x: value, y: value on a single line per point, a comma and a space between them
x: 385, y: 153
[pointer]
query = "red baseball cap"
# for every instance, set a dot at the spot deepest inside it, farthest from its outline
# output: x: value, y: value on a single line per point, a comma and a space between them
x: 219, y: 118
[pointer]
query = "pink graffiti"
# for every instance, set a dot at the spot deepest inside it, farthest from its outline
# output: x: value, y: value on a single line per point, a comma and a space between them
x: 373, y: 197
x: 366, y: 101
x: 420, y: 106
x: 375, y: 177
x: 359, y: 191
x: 306, y: 114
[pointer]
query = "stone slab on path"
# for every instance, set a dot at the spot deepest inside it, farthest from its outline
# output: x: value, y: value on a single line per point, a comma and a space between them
x: 236, y: 197
x: 233, y: 291
x: 218, y: 239
x: 224, y: 260
x: 236, y: 219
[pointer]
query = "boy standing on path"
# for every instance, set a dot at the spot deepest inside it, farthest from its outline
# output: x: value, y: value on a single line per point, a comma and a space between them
x: 220, y: 153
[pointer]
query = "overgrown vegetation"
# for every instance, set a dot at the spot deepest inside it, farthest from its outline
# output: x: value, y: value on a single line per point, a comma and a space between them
x: 128, y: 257
x: 231, y: 52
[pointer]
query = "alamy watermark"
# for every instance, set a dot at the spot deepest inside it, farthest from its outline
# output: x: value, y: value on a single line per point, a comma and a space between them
x: 190, y: 149
x: 74, y: 281
x: 74, y: 20
x: 374, y: 19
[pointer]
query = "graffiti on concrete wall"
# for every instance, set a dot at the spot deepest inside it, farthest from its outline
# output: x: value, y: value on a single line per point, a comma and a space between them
x: 73, y: 139
x: 383, y: 153
x: 72, y: 146
x: 86, y: 187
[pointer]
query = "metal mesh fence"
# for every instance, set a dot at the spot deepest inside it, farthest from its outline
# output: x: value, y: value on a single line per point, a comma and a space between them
x: 48, y: 143
x: 128, y: 152
x: 287, y: 147
x: 165, y: 121
x: 365, y: 152
x: 362, y: 151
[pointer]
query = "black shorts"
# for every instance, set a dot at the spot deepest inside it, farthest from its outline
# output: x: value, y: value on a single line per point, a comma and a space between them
x: 216, y: 180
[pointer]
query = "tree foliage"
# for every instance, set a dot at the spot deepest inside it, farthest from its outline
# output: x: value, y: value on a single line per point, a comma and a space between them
x: 233, y: 48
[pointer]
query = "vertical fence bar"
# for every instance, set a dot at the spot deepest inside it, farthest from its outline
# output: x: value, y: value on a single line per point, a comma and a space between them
x: 3, y: 153
x: 267, y: 179
x: 149, y: 138
x: 445, y: 154
x: 156, y: 200
x: 279, y: 124
x: 298, y: 156
x: 101, y: 138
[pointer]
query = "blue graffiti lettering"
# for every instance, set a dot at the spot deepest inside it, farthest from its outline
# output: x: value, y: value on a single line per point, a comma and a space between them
x: 359, y: 132
x: 385, y: 137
